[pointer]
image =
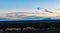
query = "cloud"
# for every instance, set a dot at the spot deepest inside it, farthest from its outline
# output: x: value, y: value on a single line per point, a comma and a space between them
x: 16, y: 15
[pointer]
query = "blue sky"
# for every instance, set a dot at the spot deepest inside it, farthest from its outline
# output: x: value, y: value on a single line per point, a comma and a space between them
x: 27, y: 5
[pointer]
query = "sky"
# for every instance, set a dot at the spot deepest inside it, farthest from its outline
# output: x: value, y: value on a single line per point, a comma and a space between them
x: 27, y: 5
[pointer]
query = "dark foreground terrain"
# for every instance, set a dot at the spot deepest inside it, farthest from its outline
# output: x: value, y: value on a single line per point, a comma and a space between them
x: 36, y: 31
x: 30, y: 26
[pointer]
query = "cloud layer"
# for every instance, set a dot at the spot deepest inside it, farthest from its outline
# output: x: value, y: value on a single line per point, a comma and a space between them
x: 14, y: 15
